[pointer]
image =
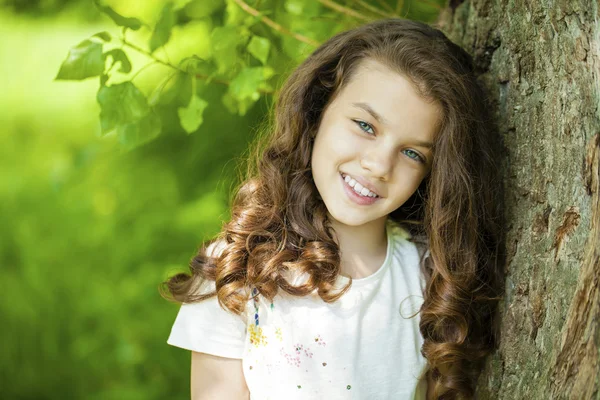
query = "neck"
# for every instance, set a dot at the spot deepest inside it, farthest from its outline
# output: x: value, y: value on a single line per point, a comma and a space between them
x: 362, y: 248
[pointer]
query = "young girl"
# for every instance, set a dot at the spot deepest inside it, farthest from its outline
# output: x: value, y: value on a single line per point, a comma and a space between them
x: 360, y: 261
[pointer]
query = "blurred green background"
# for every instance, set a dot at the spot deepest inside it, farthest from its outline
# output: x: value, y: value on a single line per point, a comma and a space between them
x: 92, y: 223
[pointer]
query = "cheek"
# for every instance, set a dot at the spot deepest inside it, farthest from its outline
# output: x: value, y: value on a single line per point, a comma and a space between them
x: 405, y: 187
x: 317, y: 152
x: 337, y: 143
x: 343, y: 142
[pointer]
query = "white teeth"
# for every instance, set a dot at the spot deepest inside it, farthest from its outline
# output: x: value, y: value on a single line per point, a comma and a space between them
x: 358, y: 188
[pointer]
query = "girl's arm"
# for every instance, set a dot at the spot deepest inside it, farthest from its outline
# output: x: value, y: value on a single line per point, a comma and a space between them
x: 216, y: 378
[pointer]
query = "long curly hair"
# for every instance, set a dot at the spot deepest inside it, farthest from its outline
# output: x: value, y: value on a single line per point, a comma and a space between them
x: 279, y: 222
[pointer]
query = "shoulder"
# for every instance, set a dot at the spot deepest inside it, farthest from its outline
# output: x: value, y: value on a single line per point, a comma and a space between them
x: 206, y: 326
x: 411, y: 251
x: 422, y: 248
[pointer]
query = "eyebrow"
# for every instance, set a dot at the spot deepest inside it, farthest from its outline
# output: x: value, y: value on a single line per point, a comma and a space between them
x: 366, y: 107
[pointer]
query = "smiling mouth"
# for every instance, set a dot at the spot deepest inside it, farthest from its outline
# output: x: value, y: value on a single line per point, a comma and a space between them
x: 370, y: 195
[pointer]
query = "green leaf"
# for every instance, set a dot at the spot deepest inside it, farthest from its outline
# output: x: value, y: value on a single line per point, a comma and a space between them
x: 224, y: 42
x: 136, y: 133
x: 248, y: 81
x: 175, y: 89
x: 306, y: 9
x: 105, y: 36
x: 197, y: 65
x: 244, y: 89
x: 259, y: 48
x: 83, y: 61
x: 294, y: 48
x: 120, y: 104
x: 234, y: 13
x: 119, y: 55
x: 250, y: 20
x: 197, y: 9
x: 162, y: 30
x: 236, y: 106
x: 124, y: 108
x: 190, y: 117
x: 131, y: 23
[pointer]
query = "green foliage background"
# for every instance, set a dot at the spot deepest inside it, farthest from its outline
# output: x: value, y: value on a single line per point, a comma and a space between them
x: 112, y: 174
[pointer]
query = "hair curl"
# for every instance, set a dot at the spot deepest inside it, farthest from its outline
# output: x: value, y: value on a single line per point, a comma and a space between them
x: 279, y: 223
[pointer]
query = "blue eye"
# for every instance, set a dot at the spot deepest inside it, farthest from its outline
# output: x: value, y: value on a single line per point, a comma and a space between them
x: 360, y: 123
x: 418, y: 158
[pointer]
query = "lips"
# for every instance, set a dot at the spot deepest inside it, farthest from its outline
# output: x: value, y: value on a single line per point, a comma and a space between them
x: 355, y: 197
x: 363, y: 182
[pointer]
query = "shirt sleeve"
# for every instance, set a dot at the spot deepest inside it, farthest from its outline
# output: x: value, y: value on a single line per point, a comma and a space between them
x: 206, y: 327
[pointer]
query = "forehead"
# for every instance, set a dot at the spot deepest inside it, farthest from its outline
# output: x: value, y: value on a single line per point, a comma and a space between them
x: 392, y: 96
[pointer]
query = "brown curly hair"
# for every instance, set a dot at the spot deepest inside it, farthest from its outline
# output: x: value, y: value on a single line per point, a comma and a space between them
x: 279, y: 223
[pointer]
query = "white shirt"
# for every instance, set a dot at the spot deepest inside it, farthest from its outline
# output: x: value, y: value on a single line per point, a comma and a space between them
x: 359, y: 347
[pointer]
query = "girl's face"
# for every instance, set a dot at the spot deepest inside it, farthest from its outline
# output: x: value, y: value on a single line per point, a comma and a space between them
x: 378, y: 131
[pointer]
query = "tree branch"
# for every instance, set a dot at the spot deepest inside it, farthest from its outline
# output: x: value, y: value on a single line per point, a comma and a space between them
x: 385, y: 5
x: 375, y: 9
x: 176, y: 68
x: 139, y: 71
x: 148, y: 54
x: 430, y: 3
x: 344, y: 10
x: 275, y: 25
x: 399, y: 5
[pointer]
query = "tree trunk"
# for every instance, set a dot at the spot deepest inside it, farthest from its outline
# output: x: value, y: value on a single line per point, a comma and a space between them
x: 540, y: 62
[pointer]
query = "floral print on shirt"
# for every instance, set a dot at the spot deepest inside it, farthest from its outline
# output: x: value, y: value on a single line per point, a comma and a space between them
x: 257, y: 338
x: 295, y: 356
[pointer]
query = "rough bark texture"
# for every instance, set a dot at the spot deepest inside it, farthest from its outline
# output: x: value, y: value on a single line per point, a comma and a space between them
x: 540, y: 62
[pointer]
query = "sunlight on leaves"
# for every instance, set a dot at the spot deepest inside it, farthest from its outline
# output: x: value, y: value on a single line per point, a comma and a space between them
x: 244, y: 89
x: 162, y: 30
x: 225, y: 41
x: 174, y: 89
x: 190, y: 117
x: 127, y: 22
x: 120, y: 104
x: 139, y: 132
x: 119, y: 56
x: 105, y: 36
x: 303, y: 8
x: 247, y: 83
x: 202, y: 8
x: 259, y: 48
x: 83, y: 61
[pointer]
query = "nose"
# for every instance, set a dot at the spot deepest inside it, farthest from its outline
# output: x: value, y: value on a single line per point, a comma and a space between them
x: 379, y: 160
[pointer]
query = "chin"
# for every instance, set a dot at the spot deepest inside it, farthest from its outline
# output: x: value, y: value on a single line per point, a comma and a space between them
x: 351, y: 220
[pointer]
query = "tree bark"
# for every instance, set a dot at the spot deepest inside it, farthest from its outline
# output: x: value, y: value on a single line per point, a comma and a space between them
x: 540, y: 62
